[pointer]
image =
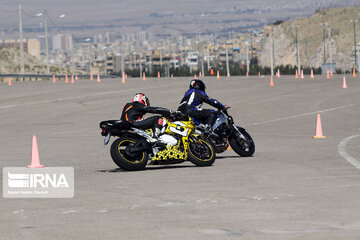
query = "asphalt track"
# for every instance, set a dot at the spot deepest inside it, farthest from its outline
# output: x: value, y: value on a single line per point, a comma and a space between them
x: 294, y: 187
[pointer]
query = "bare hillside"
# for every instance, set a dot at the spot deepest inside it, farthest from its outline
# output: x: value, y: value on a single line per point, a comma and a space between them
x: 10, y: 63
x: 310, y: 35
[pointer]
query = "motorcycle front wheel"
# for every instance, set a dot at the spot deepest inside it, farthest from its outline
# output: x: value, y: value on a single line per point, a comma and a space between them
x: 125, y: 158
x: 200, y: 152
x: 245, y: 147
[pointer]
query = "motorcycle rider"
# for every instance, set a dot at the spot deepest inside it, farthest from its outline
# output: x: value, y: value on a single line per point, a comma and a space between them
x: 193, y: 100
x: 134, y: 111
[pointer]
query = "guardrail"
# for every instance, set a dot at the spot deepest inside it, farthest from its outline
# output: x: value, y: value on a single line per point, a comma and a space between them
x: 31, y: 77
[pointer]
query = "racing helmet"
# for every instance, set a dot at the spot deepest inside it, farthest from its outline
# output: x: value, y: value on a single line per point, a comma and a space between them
x: 141, y: 98
x: 197, y: 84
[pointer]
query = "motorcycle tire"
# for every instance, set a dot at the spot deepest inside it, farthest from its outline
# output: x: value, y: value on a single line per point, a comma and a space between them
x: 201, y: 153
x: 124, y: 159
x: 238, y: 147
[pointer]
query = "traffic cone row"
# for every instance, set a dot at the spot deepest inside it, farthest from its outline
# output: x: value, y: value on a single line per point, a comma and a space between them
x: 123, y: 78
x: 312, y: 73
x: 271, y: 81
x: 318, y: 128
x: 344, y: 83
x: 35, y: 160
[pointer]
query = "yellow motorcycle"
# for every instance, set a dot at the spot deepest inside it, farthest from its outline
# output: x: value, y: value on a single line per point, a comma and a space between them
x: 179, y: 141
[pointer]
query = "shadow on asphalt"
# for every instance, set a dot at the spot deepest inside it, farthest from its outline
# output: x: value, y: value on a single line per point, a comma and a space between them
x: 148, y: 168
x: 236, y: 156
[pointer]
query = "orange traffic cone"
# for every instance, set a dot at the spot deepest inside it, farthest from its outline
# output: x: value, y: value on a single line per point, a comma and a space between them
x: 91, y: 77
x: 278, y: 73
x: 296, y: 74
x: 194, y: 76
x: 123, y: 78
x: 259, y: 74
x: 312, y: 73
x: 271, y: 81
x: 218, y: 75
x: 302, y: 74
x: 9, y: 83
x: 54, y: 79
x: 158, y: 74
x: 318, y: 130
x: 72, y: 79
x: 228, y: 74
x: 327, y: 74
x: 331, y: 72
x: 247, y: 74
x: 35, y: 160
x: 344, y: 83
x: 98, y: 78
x: 76, y: 77
x: 144, y: 76
x: 200, y: 74
x: 354, y: 73
x: 66, y: 78
x: 172, y: 75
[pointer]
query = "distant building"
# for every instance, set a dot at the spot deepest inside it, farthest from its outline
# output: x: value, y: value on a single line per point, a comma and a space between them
x: 113, y: 64
x: 14, y: 43
x: 34, y: 48
x: 63, y: 42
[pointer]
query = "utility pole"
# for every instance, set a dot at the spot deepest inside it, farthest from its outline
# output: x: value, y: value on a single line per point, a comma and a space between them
x: 272, y: 53
x: 202, y: 66
x: 324, y: 39
x: 46, y: 42
x: 208, y: 58
x: 140, y: 65
x: 330, y: 52
x: 122, y: 64
x: 355, y: 60
x: 273, y: 47
x: 227, y: 63
x: 21, y: 43
x: 247, y: 58
x: 160, y: 58
x: 297, y: 50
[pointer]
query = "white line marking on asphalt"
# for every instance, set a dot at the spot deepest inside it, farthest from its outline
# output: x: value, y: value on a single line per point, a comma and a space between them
x: 73, y: 98
x: 344, y: 154
x: 300, y: 115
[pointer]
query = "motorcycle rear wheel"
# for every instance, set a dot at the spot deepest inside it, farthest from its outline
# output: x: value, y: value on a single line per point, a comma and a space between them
x: 239, y: 147
x: 124, y: 159
x: 201, y: 153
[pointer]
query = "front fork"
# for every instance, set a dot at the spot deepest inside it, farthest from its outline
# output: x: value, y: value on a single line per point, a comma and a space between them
x: 240, y: 136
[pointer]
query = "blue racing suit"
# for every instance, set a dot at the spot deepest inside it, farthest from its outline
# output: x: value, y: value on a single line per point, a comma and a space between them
x: 192, y: 102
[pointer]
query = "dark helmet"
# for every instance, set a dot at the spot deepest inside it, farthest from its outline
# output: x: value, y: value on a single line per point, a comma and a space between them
x: 141, y: 98
x: 197, y: 84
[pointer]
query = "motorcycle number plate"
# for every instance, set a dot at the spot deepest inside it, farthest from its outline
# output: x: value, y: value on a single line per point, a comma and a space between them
x: 107, y: 139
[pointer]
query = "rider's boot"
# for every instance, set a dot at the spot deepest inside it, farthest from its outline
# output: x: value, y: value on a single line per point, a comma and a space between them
x: 155, y: 135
